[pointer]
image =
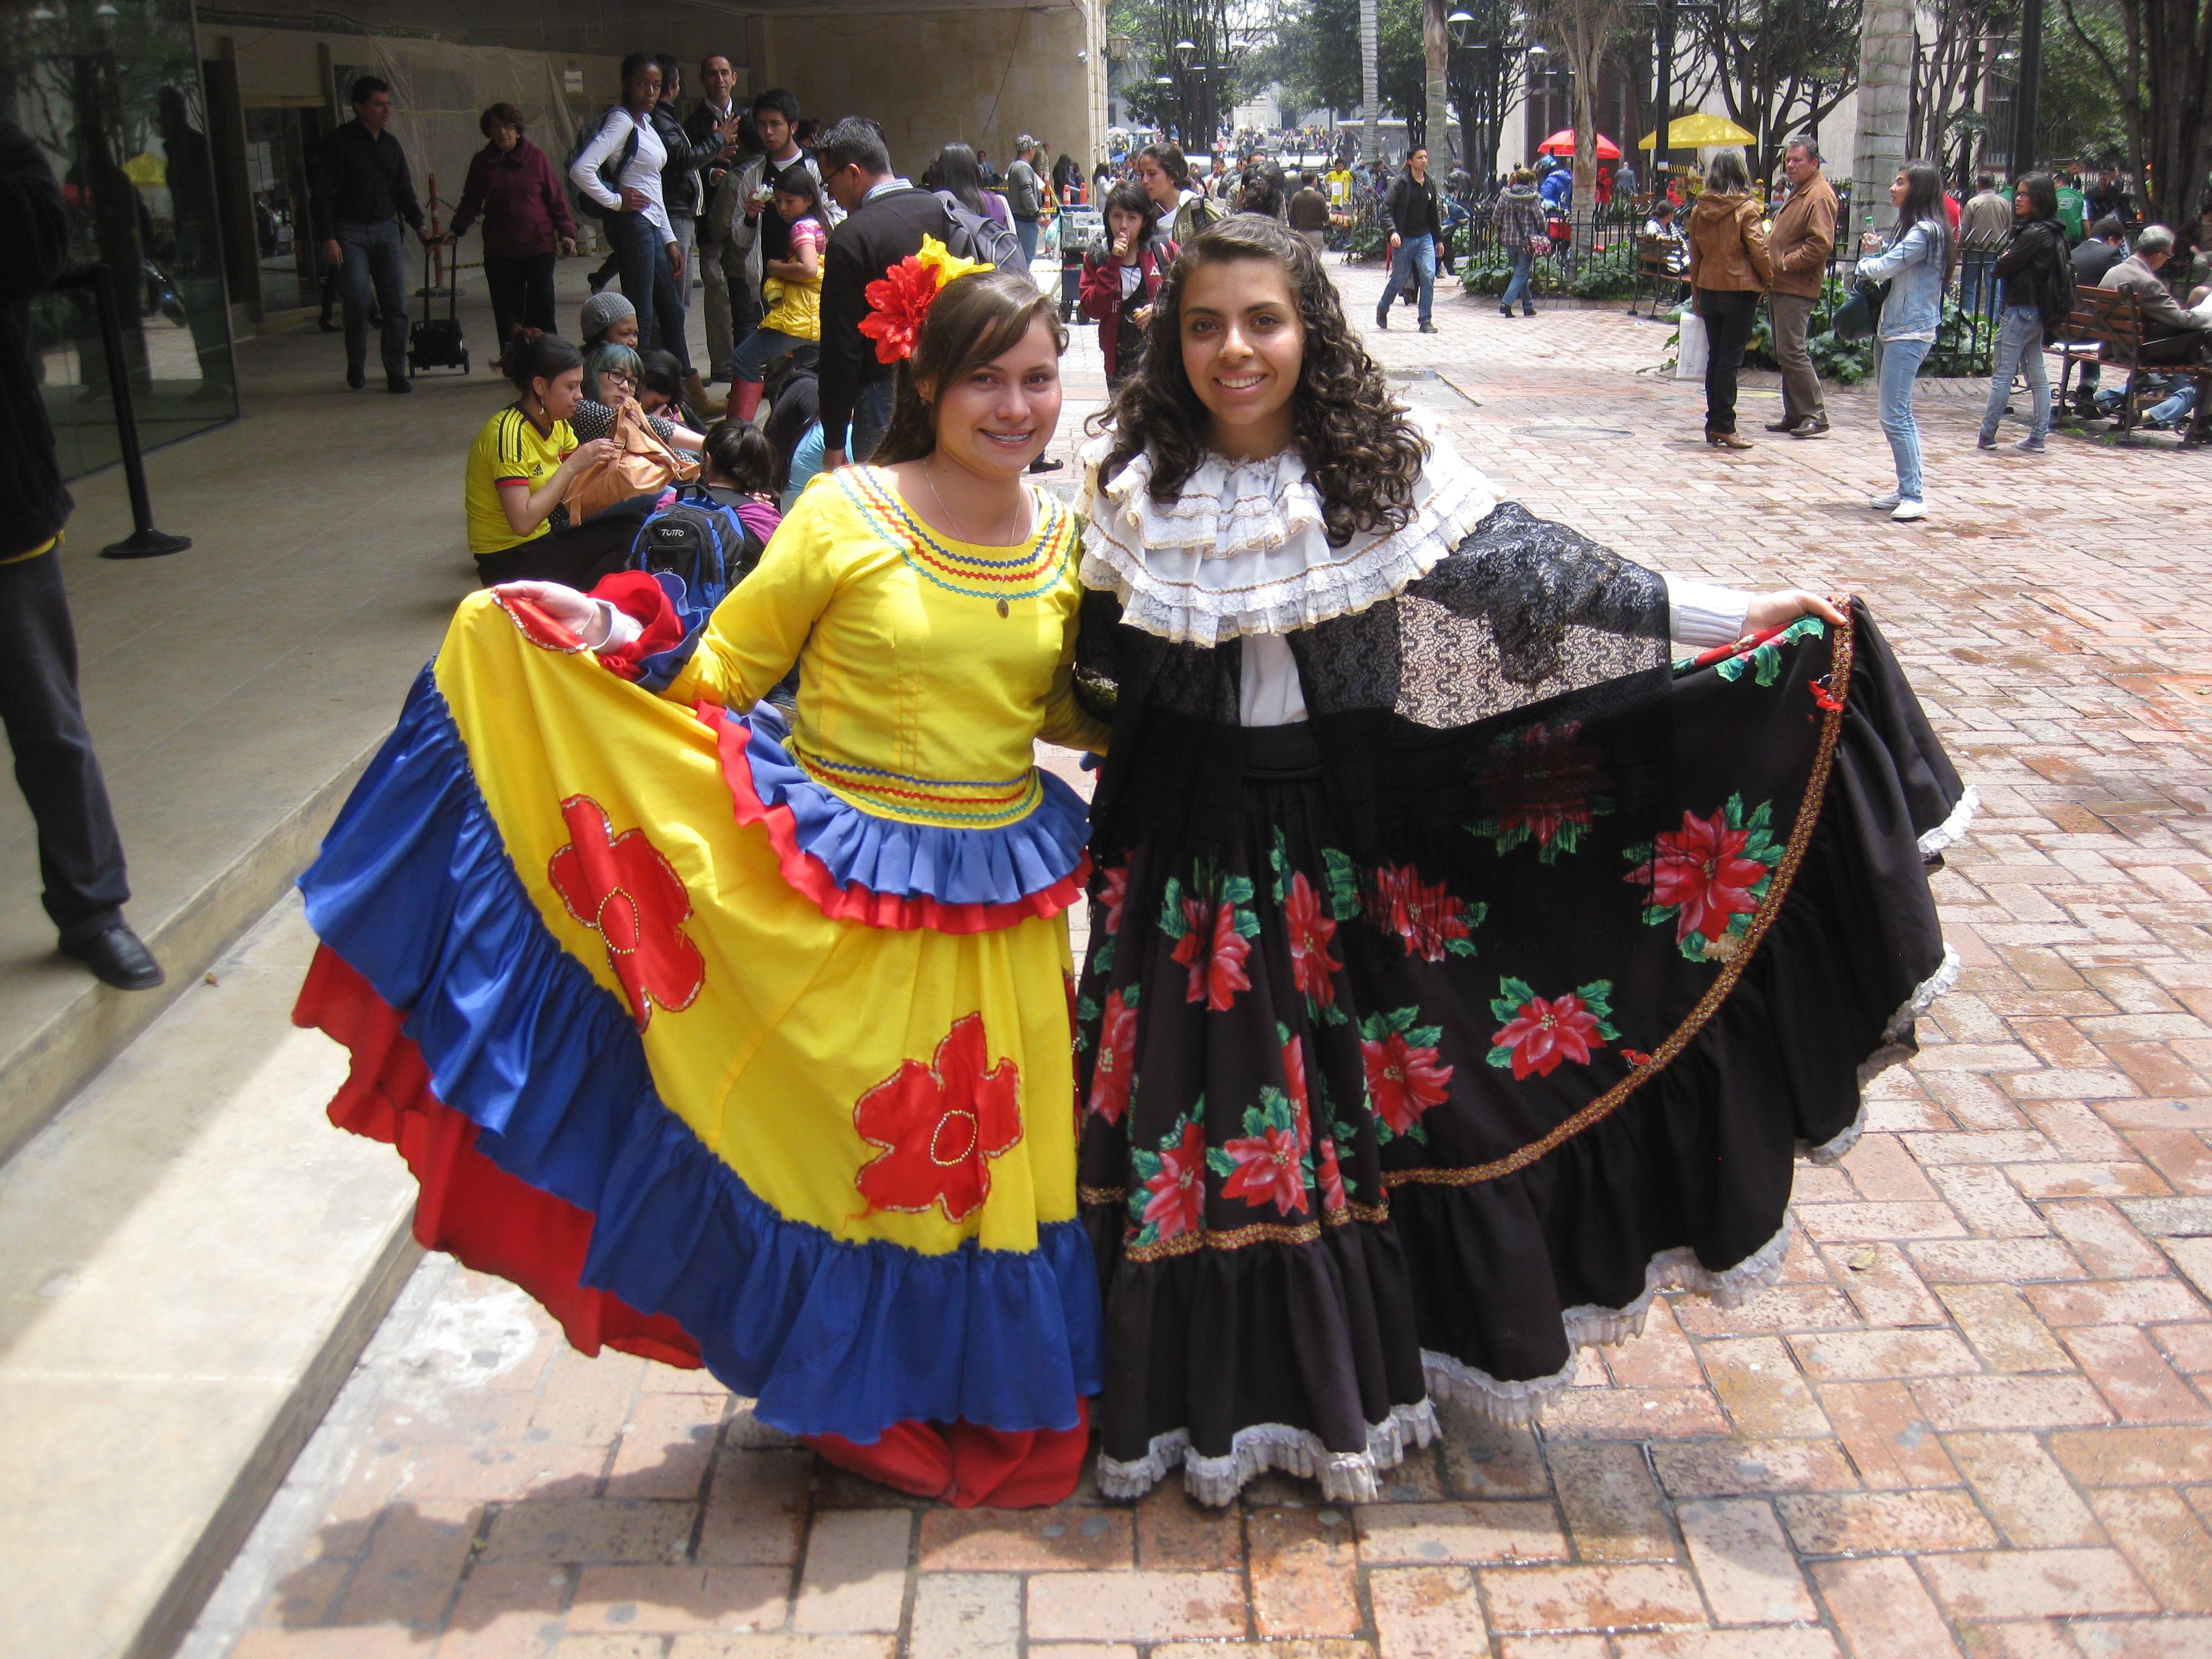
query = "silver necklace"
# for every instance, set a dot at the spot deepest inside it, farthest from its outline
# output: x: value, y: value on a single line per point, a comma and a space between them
x: 957, y: 530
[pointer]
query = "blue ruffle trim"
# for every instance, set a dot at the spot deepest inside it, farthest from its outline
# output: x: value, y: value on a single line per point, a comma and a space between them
x: 916, y: 860
x: 414, y: 890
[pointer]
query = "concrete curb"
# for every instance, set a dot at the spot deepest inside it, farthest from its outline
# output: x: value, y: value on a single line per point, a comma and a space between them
x: 50, y: 1066
x: 171, y: 1617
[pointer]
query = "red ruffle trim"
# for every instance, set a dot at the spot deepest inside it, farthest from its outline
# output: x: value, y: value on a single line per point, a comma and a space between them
x: 469, y: 1207
x: 637, y: 595
x: 811, y: 877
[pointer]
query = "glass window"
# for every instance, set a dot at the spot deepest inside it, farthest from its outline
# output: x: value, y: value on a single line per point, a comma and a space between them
x: 115, y: 102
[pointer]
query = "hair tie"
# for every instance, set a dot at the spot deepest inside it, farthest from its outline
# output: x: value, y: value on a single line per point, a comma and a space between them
x: 900, y: 298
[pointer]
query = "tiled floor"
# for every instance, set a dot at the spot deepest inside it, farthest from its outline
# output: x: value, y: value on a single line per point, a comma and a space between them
x: 1971, y: 1420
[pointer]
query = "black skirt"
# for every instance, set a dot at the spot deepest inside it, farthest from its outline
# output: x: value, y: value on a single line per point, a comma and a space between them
x: 1360, y: 1131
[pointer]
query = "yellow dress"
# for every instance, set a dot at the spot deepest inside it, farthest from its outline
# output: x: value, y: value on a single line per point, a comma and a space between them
x: 833, y: 960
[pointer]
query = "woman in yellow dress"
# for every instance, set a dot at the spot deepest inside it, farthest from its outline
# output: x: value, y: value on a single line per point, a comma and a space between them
x: 747, y: 1045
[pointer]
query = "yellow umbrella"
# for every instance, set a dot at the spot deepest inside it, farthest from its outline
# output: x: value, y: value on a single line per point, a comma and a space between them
x: 147, y: 171
x: 1698, y: 132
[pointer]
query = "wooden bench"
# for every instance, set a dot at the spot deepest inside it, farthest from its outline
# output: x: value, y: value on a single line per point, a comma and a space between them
x: 1654, y: 267
x: 2106, y: 326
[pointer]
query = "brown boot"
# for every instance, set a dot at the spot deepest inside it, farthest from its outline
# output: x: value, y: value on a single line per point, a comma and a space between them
x: 695, y: 393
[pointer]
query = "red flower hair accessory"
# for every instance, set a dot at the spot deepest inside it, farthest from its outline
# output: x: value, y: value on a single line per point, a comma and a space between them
x: 900, y: 298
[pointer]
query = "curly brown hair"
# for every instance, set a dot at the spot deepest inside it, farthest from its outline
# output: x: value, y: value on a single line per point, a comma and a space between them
x: 1362, y: 452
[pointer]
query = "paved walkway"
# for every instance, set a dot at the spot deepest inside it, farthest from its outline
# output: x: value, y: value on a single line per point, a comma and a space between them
x: 1972, y: 1420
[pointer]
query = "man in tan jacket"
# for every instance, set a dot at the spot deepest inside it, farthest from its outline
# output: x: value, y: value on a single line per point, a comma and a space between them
x: 1804, y: 237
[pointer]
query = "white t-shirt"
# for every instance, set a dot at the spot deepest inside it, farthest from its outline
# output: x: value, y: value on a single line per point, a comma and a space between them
x: 643, y: 173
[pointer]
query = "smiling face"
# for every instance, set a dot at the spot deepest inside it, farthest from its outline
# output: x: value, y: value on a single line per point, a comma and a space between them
x: 1244, y: 345
x: 717, y: 77
x: 996, y: 419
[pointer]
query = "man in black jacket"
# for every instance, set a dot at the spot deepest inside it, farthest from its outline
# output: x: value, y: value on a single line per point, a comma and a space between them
x: 361, y: 192
x: 1414, y: 218
x: 80, y: 854
x: 886, y: 217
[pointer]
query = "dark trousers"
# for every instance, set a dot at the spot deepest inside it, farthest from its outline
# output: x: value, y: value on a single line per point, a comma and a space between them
x: 80, y: 854
x: 576, y: 557
x: 649, y: 284
x: 1728, y: 314
x: 375, y: 269
x: 521, y: 293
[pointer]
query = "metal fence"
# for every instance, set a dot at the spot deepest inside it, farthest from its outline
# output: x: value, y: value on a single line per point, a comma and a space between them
x: 1592, y: 255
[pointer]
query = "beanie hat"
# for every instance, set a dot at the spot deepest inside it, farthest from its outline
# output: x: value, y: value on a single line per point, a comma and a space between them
x: 603, y: 311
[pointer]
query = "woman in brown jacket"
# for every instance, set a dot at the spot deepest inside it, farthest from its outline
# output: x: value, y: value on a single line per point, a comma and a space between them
x: 1728, y: 270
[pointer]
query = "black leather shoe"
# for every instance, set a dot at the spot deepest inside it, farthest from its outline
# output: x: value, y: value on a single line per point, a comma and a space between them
x: 1787, y: 423
x: 1381, y: 322
x: 357, y: 378
x: 116, y: 957
x: 396, y: 384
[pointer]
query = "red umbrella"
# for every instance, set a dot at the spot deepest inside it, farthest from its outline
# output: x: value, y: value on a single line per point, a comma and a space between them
x: 1562, y: 143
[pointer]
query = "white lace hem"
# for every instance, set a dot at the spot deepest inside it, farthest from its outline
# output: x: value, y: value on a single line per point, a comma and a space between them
x: 1945, y: 833
x: 1344, y: 1477
x: 1244, y: 550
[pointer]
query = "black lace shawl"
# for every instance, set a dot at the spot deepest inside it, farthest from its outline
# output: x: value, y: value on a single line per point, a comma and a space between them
x: 1406, y: 697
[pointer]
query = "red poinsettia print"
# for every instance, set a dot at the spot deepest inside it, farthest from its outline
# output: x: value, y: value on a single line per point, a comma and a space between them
x: 1114, y: 1069
x: 939, y: 1126
x: 1330, y: 1174
x: 1405, y: 1072
x: 1311, y: 934
x: 1541, y: 1034
x: 1113, y: 894
x: 622, y: 889
x: 1178, y: 1189
x: 1268, y: 1168
x: 1703, y: 868
x: 1422, y: 913
x: 1214, y: 952
x: 1542, y: 784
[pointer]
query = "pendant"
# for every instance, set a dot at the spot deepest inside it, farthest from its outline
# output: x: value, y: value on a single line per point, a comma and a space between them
x: 1003, y: 609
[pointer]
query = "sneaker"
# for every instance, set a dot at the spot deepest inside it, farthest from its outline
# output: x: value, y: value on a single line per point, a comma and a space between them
x: 1428, y: 328
x: 2030, y: 446
x: 1986, y: 440
x: 1883, y: 502
x: 1908, y: 510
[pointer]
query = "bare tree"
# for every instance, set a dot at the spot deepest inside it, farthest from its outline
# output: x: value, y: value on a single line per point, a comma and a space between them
x: 1782, y: 66
x: 2163, y: 79
x: 1949, y: 74
x: 1583, y: 29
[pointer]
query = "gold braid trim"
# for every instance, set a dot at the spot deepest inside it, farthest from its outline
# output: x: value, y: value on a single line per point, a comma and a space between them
x: 1800, y: 837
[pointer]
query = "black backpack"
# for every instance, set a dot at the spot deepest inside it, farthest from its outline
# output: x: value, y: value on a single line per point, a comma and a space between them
x: 615, y: 165
x: 977, y: 236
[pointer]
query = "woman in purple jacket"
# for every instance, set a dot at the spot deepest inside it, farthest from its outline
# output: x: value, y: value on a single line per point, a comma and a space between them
x: 518, y: 192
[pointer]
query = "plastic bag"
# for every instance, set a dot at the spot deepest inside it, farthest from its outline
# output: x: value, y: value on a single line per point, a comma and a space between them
x: 1693, y: 350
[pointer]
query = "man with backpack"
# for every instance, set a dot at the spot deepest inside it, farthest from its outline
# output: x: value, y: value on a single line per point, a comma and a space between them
x: 886, y: 217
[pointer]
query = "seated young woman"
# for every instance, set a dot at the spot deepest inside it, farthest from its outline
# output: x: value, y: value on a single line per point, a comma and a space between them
x: 522, y: 466
x: 612, y: 373
x: 660, y: 390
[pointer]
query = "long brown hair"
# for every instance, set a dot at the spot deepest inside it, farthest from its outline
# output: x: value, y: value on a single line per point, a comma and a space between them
x: 1361, y: 451
x: 973, y: 319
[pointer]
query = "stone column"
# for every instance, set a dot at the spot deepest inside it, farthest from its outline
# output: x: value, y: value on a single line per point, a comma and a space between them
x: 1886, y: 45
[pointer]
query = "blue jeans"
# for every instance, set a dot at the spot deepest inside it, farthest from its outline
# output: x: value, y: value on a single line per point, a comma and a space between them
x: 1416, y: 257
x: 761, y: 347
x: 1980, y: 291
x: 649, y: 282
x: 1516, y: 286
x: 1026, y: 233
x: 1896, y: 368
x: 375, y: 269
x: 2019, y: 346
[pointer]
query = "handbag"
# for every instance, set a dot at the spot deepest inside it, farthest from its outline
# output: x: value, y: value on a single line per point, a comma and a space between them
x: 1861, y: 314
x: 641, y: 464
x: 1694, y: 348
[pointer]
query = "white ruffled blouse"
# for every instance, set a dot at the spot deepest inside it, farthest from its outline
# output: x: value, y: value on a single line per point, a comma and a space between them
x: 1242, y: 553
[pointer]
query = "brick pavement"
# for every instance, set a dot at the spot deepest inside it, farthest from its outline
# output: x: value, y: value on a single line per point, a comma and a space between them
x: 1973, y: 1420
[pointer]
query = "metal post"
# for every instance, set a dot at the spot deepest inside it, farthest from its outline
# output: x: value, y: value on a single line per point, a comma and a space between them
x: 144, y: 541
x: 1664, y: 45
x: 2023, y: 97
